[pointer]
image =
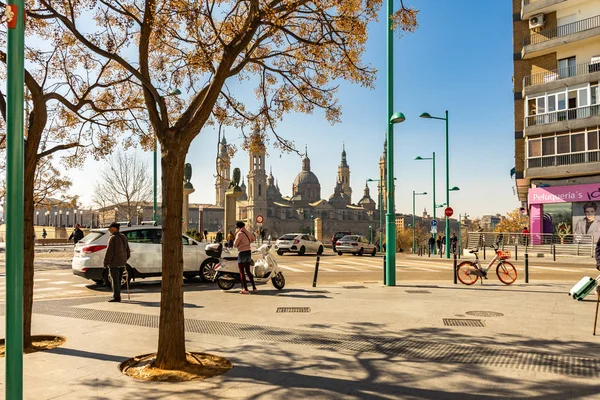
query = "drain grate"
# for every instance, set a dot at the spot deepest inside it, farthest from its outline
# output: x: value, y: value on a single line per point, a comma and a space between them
x: 475, y: 323
x: 484, y: 314
x: 354, y: 287
x: 418, y: 291
x: 293, y: 309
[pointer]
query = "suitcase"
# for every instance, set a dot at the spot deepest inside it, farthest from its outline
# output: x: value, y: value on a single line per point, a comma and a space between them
x: 583, y: 287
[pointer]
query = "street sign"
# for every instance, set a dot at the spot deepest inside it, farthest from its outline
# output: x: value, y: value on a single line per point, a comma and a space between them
x: 260, y: 219
x: 434, y: 222
x: 448, y: 211
x: 434, y: 229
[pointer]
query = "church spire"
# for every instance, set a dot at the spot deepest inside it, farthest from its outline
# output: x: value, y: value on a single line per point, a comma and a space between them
x: 306, y: 161
x: 344, y: 163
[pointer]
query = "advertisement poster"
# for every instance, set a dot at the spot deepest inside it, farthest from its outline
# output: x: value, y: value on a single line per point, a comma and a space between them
x: 586, y: 220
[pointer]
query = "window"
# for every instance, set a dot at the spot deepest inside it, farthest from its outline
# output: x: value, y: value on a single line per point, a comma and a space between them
x: 531, y: 107
x: 592, y: 140
x: 144, y: 236
x: 567, y: 67
x: 562, y: 144
x: 577, y: 142
x: 540, y: 105
x: 535, y: 148
x: 548, y: 146
x: 304, y: 237
x: 582, y: 96
x: 595, y: 95
x: 185, y: 241
x: 259, y: 189
x: 562, y: 101
x: 552, y: 103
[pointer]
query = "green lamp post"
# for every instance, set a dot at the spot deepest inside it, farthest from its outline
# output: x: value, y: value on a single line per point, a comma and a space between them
x: 432, y: 158
x: 380, y: 206
x: 414, y: 246
x: 390, y: 216
x: 428, y: 116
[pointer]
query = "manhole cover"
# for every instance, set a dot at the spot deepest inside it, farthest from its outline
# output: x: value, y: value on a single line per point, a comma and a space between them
x: 293, y: 309
x: 474, y: 323
x: 354, y: 287
x: 418, y: 291
x: 484, y: 314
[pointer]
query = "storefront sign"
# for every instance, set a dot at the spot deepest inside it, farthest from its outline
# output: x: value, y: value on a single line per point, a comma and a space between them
x: 564, y: 194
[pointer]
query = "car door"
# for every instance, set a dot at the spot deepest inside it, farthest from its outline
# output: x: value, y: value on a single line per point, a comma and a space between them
x: 145, y: 248
x: 190, y: 254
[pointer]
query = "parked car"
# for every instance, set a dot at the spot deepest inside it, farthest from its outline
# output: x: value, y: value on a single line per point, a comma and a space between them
x: 145, y: 243
x: 337, y: 236
x: 355, y: 244
x: 298, y: 243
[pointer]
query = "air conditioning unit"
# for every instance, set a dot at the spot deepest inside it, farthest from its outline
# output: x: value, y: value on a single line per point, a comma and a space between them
x: 537, y: 21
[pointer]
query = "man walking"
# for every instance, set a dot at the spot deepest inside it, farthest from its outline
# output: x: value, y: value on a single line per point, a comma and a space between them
x: 77, y: 234
x: 117, y: 254
x: 453, y: 242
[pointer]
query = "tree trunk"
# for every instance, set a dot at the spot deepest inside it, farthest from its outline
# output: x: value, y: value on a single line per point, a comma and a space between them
x: 171, y: 331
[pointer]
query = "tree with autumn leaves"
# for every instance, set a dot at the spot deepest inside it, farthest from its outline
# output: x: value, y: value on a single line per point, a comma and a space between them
x: 293, y: 52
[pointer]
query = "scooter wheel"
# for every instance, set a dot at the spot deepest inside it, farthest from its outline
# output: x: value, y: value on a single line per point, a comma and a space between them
x: 278, y: 281
x: 225, y: 284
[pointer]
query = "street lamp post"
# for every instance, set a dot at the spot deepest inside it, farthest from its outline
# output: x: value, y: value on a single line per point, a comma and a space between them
x: 414, y: 246
x: 380, y: 206
x: 371, y: 232
x: 312, y: 225
x: 432, y: 158
x: 426, y: 115
x: 37, y: 218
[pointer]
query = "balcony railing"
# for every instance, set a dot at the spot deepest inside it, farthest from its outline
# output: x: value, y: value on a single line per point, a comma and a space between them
x: 563, y: 30
x: 563, y: 115
x: 564, y: 159
x: 561, y: 73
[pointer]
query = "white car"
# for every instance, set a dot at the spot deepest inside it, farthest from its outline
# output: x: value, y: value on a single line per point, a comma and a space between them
x: 146, y: 255
x: 355, y: 244
x: 300, y: 243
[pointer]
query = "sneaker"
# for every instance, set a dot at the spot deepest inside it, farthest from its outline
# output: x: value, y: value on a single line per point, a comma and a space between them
x: 255, y: 290
x: 244, y: 292
x: 113, y: 300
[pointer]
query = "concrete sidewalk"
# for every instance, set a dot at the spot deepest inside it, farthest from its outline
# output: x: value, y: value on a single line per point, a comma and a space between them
x: 413, y: 341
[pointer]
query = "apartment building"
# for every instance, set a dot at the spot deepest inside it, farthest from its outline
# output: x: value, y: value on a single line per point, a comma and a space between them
x: 556, y: 47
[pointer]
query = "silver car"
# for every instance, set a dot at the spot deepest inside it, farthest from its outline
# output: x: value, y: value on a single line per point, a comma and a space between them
x: 355, y: 244
x: 300, y: 243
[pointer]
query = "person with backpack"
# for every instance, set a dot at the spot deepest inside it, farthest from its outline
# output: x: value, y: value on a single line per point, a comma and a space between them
x: 243, y: 239
x: 117, y: 254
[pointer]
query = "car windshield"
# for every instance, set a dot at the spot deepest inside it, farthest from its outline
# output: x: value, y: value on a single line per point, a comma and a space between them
x: 350, y: 238
x: 288, y: 237
x: 91, y: 237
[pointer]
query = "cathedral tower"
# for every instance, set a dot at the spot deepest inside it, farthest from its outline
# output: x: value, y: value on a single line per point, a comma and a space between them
x: 223, y: 173
x: 257, y: 185
x: 344, y: 177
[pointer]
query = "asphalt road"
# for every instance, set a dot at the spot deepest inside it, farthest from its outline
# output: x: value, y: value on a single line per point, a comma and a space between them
x: 54, y: 279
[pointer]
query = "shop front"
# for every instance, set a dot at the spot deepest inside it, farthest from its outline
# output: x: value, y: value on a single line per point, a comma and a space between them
x: 570, y: 212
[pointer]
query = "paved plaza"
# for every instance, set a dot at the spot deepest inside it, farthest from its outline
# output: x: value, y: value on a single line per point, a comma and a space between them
x: 423, y: 339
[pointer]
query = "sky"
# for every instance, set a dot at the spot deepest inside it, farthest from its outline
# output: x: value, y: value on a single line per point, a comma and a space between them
x: 459, y: 59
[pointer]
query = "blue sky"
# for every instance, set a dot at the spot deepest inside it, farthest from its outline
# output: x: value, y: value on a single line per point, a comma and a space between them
x: 459, y: 59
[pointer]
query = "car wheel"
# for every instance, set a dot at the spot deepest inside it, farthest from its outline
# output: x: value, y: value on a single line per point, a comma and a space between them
x: 373, y: 252
x: 302, y: 251
x: 361, y: 251
x: 208, y: 270
x: 339, y: 253
x: 320, y: 251
x: 280, y: 253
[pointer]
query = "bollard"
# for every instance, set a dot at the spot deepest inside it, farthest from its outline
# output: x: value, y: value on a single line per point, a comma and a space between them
x: 316, y: 272
x: 384, y: 270
x: 455, y: 265
x: 554, y: 252
x: 484, y: 252
x: 577, y: 249
x: 526, y: 268
x: 516, y: 252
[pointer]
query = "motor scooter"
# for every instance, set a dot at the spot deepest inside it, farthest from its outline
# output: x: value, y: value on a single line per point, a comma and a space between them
x: 265, y: 269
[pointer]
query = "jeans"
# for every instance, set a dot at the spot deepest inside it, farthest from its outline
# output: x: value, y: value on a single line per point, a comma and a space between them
x: 116, y: 273
x: 246, y: 267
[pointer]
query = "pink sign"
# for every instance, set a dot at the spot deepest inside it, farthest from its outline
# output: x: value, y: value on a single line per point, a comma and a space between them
x: 564, y: 194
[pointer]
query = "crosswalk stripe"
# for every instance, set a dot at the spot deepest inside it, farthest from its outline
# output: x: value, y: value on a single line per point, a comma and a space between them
x: 553, y: 268
x: 46, y: 289
x: 290, y: 268
x: 419, y: 269
x: 41, y: 280
x: 59, y: 282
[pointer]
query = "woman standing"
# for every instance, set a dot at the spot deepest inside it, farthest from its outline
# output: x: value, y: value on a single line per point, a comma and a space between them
x: 243, y: 240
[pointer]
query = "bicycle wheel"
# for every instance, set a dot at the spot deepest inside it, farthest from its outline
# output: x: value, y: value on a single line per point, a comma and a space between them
x: 464, y: 273
x: 507, y: 273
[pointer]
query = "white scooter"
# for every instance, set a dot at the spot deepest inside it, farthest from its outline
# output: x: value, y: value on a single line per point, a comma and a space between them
x: 265, y: 269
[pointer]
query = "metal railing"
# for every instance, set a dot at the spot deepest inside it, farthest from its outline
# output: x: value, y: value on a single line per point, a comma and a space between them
x: 563, y: 30
x: 528, y: 2
x: 563, y: 115
x: 564, y: 159
x: 561, y: 73
x: 539, y: 243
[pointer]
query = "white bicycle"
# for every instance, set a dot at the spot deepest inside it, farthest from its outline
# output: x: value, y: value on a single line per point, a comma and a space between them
x: 468, y: 272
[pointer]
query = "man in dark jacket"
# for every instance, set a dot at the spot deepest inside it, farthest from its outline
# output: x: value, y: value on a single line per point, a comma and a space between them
x: 77, y: 234
x: 117, y: 254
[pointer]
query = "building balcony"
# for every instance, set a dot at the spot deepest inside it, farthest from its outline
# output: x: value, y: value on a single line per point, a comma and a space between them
x: 531, y: 7
x: 556, y: 166
x: 561, y: 77
x: 546, y: 41
x: 571, y: 119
